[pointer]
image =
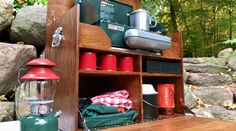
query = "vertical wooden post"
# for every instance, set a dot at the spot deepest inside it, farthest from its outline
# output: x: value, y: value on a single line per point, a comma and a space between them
x: 56, y: 8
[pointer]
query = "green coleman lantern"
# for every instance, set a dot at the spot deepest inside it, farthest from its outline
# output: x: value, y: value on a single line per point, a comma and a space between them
x: 39, y: 87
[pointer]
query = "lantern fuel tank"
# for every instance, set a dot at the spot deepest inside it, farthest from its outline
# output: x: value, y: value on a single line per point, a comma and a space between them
x: 48, y: 122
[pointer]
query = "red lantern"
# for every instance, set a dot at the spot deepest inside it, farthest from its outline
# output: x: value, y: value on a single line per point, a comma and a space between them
x: 40, y: 85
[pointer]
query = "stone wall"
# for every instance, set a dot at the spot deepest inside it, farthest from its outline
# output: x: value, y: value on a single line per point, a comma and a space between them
x: 210, y: 85
x: 22, y: 36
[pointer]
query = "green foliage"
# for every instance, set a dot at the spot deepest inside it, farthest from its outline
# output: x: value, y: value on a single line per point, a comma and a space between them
x: 18, y: 4
x: 205, y: 24
x: 233, y: 41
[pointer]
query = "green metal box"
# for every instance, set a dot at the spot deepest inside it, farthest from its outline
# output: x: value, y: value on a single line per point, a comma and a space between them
x: 92, y: 11
x: 116, y: 33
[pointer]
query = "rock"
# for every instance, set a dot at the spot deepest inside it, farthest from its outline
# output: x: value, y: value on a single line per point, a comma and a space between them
x: 185, y: 73
x: 6, y: 111
x: 190, y: 97
x: 206, y: 79
x: 217, y: 112
x: 232, y: 61
x: 202, y: 112
x: 212, y: 61
x: 191, y: 60
x: 6, y: 14
x: 225, y: 53
x: 12, y: 58
x: 205, y: 68
x: 29, y: 26
x: 214, y: 95
x: 206, y: 60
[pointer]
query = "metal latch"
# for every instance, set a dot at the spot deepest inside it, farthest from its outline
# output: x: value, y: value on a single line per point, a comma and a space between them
x: 57, y: 37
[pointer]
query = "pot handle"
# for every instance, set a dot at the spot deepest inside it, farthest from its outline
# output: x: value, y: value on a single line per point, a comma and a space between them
x: 155, y: 20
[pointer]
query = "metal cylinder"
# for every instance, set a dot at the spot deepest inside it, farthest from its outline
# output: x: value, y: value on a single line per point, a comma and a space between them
x: 140, y: 19
x: 166, y: 100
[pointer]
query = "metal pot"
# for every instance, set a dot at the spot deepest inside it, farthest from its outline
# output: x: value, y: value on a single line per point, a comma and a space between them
x: 141, y: 19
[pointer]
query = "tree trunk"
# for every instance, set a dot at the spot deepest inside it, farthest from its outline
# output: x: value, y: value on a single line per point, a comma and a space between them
x: 173, y: 15
x: 230, y: 19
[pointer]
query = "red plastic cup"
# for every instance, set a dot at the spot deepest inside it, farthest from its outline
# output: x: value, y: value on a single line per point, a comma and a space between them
x: 126, y: 64
x: 108, y: 62
x: 88, y: 61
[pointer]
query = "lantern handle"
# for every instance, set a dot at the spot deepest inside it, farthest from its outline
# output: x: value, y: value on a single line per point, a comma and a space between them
x: 19, y: 74
x: 18, y: 96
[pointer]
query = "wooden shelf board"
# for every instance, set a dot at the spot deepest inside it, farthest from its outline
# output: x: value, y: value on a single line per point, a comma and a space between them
x: 131, y: 52
x: 154, y: 74
x: 105, y: 73
x: 160, y: 57
x: 112, y: 50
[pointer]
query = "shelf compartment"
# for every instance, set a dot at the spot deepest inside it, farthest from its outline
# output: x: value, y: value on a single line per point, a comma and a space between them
x: 106, y: 73
x: 161, y: 66
x: 111, y: 50
x: 159, y: 57
x: 152, y: 74
x: 178, y: 90
x: 90, y: 86
x: 119, y: 56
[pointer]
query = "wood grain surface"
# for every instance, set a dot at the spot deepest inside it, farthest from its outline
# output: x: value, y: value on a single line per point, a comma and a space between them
x: 135, y: 3
x: 176, y: 50
x: 183, y: 123
x: 66, y: 58
x: 93, y: 37
x: 58, y: 8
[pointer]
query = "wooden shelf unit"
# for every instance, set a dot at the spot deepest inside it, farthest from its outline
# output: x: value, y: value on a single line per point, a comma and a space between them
x: 75, y: 83
x: 106, y: 73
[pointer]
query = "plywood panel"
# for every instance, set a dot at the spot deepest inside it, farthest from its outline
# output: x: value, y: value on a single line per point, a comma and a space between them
x: 175, y: 51
x: 66, y: 58
x: 93, y: 37
x: 184, y: 123
x: 135, y: 3
x: 58, y: 8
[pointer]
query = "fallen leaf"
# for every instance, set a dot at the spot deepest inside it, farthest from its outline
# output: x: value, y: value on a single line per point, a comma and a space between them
x: 3, y: 98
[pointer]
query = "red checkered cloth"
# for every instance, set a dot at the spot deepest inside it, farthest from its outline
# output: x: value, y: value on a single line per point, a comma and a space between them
x: 117, y: 99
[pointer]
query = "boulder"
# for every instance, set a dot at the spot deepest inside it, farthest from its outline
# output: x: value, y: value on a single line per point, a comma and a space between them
x: 12, y: 58
x: 6, y: 111
x: 190, y: 97
x: 202, y: 112
x: 205, y: 68
x: 214, y: 95
x: 212, y: 61
x: 6, y: 14
x: 206, y: 79
x: 217, y: 112
x: 206, y: 60
x: 232, y: 61
x: 225, y: 53
x: 29, y: 26
x: 185, y: 73
x: 191, y: 60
